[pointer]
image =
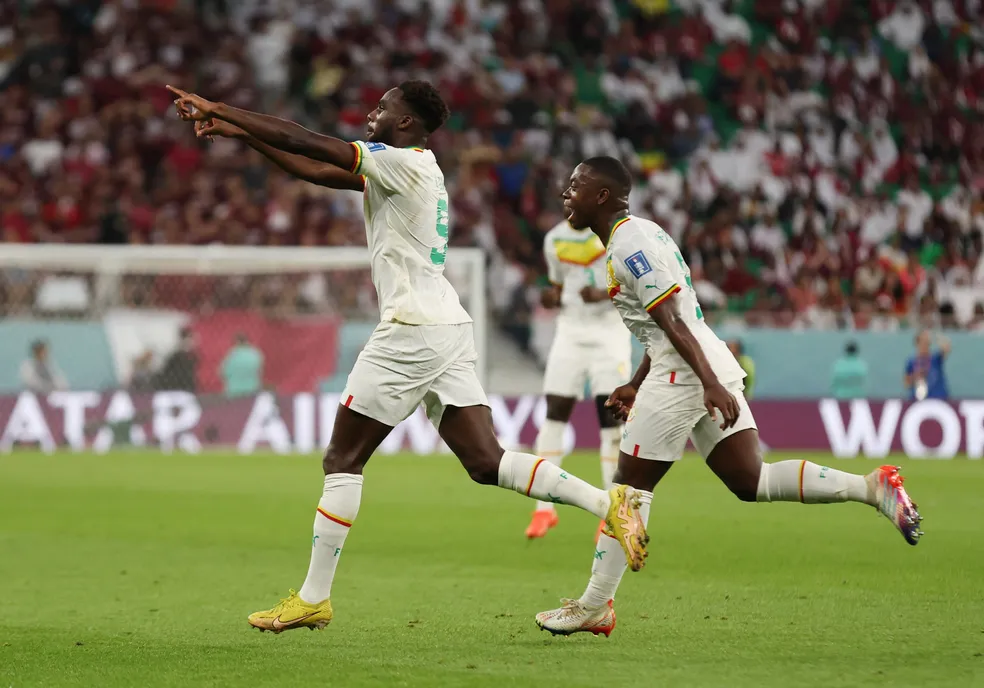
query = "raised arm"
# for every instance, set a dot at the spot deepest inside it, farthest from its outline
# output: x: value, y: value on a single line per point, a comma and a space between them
x: 320, y: 173
x: 279, y: 133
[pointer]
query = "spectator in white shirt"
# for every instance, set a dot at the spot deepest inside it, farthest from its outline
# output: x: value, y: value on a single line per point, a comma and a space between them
x: 767, y: 235
x: 918, y: 205
x: 904, y: 27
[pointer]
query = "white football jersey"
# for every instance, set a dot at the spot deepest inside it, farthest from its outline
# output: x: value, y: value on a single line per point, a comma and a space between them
x: 576, y: 259
x: 406, y: 208
x: 645, y: 268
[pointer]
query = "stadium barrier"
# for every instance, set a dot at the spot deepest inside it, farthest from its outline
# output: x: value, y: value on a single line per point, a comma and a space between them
x: 301, y: 423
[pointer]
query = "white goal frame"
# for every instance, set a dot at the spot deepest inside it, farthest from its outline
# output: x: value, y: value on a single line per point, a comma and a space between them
x: 110, y: 262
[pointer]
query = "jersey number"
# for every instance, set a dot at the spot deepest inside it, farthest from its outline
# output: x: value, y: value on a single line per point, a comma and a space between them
x: 439, y: 255
x: 690, y: 284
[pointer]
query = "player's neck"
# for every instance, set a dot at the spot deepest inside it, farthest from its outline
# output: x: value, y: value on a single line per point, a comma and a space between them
x: 606, y: 223
x: 409, y: 141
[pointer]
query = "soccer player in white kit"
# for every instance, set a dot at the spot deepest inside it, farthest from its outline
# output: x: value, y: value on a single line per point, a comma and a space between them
x: 686, y: 379
x: 591, y: 348
x: 422, y: 352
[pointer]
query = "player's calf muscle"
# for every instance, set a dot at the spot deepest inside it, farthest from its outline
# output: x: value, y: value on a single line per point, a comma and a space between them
x: 469, y: 434
x: 737, y: 462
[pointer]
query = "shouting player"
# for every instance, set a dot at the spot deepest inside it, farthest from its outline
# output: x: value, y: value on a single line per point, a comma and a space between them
x: 423, y: 350
x: 688, y: 385
x: 591, y: 347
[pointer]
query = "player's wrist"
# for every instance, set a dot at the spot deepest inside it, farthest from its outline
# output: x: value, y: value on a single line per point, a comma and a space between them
x: 710, y: 382
x: 219, y: 111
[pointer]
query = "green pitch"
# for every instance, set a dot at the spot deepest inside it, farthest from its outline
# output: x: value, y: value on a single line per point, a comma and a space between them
x: 140, y: 569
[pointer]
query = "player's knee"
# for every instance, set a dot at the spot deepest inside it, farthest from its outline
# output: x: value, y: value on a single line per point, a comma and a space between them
x: 559, y: 408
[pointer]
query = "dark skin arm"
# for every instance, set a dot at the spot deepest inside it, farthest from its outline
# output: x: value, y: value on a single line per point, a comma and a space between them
x: 667, y: 316
x: 322, y: 174
x: 622, y: 399
x: 593, y: 294
x: 550, y: 296
x: 279, y: 133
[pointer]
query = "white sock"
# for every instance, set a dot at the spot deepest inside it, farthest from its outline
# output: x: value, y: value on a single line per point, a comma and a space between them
x: 550, y: 445
x: 803, y: 481
x: 609, y: 562
x: 538, y: 478
x: 337, y: 509
x: 610, y: 439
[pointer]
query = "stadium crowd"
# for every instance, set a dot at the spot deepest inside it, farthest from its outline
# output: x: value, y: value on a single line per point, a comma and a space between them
x: 820, y: 162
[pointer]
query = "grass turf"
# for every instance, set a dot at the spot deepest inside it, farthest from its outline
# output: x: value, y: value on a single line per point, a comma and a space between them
x: 140, y: 569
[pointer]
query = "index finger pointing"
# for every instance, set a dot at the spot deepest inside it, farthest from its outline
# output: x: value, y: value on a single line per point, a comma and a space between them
x: 176, y: 91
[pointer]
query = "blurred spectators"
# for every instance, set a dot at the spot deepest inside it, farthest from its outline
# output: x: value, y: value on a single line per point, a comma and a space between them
x: 242, y: 369
x: 180, y: 369
x: 821, y: 164
x: 925, y: 375
x: 40, y: 374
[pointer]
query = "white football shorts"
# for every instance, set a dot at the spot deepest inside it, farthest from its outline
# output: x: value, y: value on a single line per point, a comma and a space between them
x: 402, y: 366
x: 665, y: 415
x: 600, y: 366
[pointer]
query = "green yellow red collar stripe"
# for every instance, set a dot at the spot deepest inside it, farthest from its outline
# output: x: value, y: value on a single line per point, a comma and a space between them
x: 414, y: 148
x: 357, y: 163
x: 662, y: 297
x: 619, y: 224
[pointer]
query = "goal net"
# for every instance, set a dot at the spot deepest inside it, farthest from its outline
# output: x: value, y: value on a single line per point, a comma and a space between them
x: 184, y: 346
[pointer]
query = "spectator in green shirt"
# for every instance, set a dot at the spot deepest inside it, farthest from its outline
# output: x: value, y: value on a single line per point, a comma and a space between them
x: 746, y: 363
x: 849, y: 376
x: 242, y: 369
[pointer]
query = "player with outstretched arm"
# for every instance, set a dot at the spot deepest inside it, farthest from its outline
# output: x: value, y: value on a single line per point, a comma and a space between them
x: 423, y: 350
x: 689, y: 385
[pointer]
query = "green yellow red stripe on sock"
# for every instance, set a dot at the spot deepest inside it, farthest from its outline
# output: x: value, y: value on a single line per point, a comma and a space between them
x: 336, y: 519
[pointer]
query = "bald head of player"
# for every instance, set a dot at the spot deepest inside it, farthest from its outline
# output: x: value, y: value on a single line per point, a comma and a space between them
x: 407, y: 115
x: 598, y: 195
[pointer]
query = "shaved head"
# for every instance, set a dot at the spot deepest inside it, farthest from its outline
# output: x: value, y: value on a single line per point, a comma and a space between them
x: 599, y: 189
x: 612, y: 173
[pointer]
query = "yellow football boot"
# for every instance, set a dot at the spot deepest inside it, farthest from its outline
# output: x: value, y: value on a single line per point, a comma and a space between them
x: 625, y: 524
x: 292, y: 613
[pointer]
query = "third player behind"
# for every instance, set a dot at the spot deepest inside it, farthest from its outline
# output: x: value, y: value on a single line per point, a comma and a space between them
x: 688, y: 386
x: 591, y: 349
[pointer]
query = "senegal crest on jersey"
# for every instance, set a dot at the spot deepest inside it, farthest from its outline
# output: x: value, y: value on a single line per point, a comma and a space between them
x: 613, y: 284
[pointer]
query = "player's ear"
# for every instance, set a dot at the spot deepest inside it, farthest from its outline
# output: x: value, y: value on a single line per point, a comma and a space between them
x: 405, y: 122
x: 603, y: 196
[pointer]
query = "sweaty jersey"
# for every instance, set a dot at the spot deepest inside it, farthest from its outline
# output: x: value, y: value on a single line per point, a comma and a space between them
x: 406, y: 208
x: 644, y: 269
x: 576, y: 259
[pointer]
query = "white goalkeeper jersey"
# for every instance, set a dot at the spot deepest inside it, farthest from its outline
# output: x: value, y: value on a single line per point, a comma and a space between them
x: 645, y: 268
x: 406, y: 208
x: 576, y: 259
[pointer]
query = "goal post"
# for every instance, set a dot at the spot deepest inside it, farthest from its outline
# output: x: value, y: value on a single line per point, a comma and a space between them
x: 138, y: 303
